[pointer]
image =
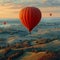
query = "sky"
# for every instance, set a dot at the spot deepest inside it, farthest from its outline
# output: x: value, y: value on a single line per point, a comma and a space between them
x: 11, y: 8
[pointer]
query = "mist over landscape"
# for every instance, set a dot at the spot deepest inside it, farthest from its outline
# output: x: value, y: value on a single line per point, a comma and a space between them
x: 44, y: 37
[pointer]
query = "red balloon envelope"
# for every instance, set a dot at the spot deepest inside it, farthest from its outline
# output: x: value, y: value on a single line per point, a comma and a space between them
x: 4, y: 23
x: 30, y: 17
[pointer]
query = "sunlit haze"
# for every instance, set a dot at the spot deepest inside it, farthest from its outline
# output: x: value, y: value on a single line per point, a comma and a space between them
x: 11, y: 8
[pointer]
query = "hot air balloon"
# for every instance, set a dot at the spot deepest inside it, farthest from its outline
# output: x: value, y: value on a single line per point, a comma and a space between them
x: 50, y: 14
x: 30, y: 17
x: 4, y: 23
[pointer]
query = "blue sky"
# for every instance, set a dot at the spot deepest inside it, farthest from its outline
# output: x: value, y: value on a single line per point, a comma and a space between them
x: 11, y: 8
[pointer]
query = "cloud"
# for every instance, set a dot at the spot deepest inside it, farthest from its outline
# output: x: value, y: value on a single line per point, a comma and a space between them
x: 53, y: 2
x: 11, y: 8
x: 37, y: 3
x: 5, y: 12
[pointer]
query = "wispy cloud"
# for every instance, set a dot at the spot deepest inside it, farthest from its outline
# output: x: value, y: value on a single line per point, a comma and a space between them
x: 33, y: 2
